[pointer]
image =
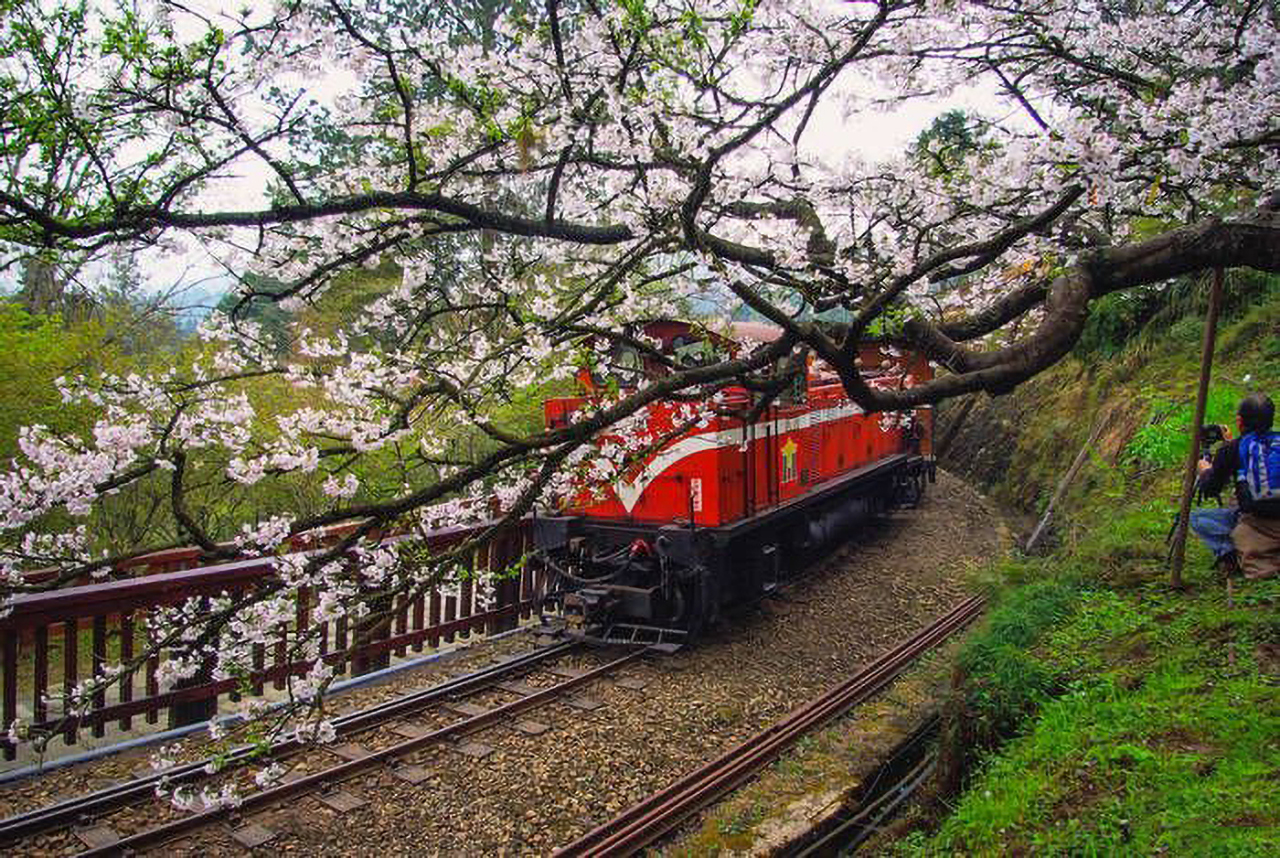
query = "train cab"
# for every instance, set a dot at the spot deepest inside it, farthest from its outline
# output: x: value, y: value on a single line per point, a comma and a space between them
x: 718, y: 491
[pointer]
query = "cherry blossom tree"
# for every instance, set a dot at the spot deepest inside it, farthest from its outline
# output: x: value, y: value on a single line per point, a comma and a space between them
x: 547, y: 181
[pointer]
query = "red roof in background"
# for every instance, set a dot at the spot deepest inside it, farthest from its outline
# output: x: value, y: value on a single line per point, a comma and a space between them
x: 763, y: 332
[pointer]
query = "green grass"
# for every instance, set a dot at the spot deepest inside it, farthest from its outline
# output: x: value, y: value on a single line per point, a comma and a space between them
x: 1005, y: 681
x: 1143, y: 721
x: 1110, y: 714
x: 1157, y: 746
x: 741, y: 822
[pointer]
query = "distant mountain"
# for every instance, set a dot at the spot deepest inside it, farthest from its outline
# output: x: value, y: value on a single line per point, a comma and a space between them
x: 195, y: 303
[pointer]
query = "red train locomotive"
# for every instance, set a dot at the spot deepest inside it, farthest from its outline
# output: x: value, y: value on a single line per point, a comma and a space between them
x: 718, y: 510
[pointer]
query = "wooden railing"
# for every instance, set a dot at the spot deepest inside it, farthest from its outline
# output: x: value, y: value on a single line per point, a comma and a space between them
x: 193, y: 557
x: 66, y: 635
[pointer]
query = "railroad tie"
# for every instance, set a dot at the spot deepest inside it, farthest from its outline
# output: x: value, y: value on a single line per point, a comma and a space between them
x: 476, y: 750
x: 341, y: 801
x: 97, y: 836
x: 411, y: 773
x: 252, y: 835
x: 410, y: 731
x: 349, y: 751
x: 530, y: 727
x: 586, y: 704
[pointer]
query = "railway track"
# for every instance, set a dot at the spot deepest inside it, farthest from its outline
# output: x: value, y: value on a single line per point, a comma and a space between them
x: 646, y: 822
x: 87, y: 815
x: 627, y: 833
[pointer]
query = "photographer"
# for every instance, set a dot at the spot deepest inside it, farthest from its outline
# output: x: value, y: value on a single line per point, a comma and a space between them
x: 1245, y: 537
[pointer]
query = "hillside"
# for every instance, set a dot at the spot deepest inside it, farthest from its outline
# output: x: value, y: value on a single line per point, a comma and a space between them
x: 1101, y: 711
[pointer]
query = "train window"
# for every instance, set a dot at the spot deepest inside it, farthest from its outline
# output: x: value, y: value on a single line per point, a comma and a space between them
x: 690, y: 352
x: 627, y: 366
x: 795, y: 392
x: 622, y: 365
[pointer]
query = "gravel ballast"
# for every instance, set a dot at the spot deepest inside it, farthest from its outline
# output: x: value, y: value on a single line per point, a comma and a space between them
x: 531, y: 793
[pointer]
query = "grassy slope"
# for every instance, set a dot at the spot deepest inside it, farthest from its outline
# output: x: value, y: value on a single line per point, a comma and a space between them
x: 1144, y: 738
x: 1144, y: 721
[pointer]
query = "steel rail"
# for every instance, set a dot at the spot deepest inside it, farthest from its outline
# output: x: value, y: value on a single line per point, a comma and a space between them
x: 342, y: 771
x: 76, y: 809
x: 648, y: 820
x: 740, y: 765
x: 841, y: 840
x: 889, y: 780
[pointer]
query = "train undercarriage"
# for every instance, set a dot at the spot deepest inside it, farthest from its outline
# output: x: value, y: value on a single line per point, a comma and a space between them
x: 621, y: 581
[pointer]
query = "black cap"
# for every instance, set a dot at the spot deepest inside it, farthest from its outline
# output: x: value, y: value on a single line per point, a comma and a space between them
x: 1256, y: 412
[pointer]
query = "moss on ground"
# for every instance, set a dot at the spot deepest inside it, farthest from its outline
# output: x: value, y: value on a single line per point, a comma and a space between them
x: 1164, y: 740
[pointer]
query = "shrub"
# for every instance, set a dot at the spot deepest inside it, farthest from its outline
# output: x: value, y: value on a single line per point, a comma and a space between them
x: 1162, y: 441
x: 1004, y: 682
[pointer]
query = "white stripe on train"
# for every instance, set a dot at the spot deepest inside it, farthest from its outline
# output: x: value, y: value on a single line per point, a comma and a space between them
x: 629, y: 493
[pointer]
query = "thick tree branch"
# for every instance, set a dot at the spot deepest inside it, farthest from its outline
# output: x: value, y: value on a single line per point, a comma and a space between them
x: 1252, y: 242
x: 976, y: 253
x: 1005, y: 309
x: 576, y: 432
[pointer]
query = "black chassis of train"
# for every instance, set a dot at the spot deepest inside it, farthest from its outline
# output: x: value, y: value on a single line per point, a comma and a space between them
x: 615, y: 580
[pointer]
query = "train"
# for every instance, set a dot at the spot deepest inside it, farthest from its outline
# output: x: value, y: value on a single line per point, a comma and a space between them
x: 716, y: 512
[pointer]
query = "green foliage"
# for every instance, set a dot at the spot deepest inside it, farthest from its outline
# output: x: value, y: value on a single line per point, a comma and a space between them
x: 350, y: 292
x: 1004, y: 682
x: 1162, y: 442
x: 1083, y: 644
x: 1173, y: 314
x: 889, y: 323
x: 1254, y: 295
x: 742, y: 17
x: 1024, y: 614
x: 1148, y: 716
x: 1186, y: 331
x: 1124, y: 541
x: 522, y: 412
x: 1115, y: 319
x: 261, y: 310
x: 34, y: 351
x: 948, y: 141
x: 741, y: 822
x: 1158, y: 746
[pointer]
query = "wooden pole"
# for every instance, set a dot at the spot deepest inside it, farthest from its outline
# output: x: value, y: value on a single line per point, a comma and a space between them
x: 1063, y: 485
x: 1193, y: 445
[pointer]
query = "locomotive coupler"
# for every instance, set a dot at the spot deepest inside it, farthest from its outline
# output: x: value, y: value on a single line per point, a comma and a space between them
x: 587, y: 607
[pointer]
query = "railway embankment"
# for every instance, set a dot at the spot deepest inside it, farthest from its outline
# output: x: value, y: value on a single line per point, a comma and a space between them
x: 1095, y: 710
x: 1098, y: 710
